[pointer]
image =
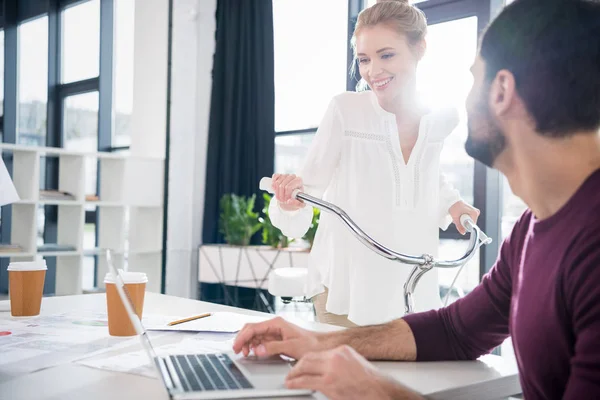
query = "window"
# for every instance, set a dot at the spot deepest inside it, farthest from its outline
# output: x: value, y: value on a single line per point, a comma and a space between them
x: 290, y: 151
x: 371, y: 2
x: 81, y: 41
x: 81, y: 131
x: 311, y: 43
x: 33, y: 81
x: 81, y: 122
x: 443, y: 79
x: 469, y: 275
x: 123, y: 87
x: 513, y: 207
x: 89, y: 262
x: 66, y: 46
x: 310, y: 69
x: 452, y: 44
x: 1, y: 83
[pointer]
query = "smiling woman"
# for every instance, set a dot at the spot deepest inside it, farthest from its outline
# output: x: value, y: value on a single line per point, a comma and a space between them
x: 376, y: 154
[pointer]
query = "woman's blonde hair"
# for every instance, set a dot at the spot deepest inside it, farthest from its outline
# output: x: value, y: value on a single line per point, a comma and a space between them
x: 397, y: 14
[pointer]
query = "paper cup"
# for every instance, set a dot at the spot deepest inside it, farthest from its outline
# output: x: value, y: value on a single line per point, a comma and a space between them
x: 26, y: 286
x: 119, y: 323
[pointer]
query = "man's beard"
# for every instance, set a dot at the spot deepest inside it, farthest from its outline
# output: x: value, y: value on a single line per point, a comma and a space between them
x: 490, y: 141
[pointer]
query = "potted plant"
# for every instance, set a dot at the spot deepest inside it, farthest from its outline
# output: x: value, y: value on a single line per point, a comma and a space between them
x: 238, y: 222
x: 271, y: 235
x: 234, y: 268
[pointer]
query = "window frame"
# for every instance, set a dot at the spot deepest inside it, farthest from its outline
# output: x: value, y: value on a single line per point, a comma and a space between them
x: 16, y: 13
x: 487, y: 183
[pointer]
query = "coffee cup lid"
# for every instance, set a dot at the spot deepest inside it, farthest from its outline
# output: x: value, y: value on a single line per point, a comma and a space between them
x: 127, y: 276
x: 39, y: 265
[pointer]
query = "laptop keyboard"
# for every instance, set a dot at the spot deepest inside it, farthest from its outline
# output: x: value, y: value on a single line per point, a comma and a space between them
x: 204, y: 372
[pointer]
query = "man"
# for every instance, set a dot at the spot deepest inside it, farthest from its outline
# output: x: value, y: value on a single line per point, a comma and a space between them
x: 534, y: 114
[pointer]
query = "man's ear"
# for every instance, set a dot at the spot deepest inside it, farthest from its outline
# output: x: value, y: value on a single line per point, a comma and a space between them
x: 502, y: 92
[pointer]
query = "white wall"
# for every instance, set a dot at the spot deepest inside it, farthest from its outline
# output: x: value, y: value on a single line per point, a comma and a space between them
x: 149, y: 113
x: 191, y: 81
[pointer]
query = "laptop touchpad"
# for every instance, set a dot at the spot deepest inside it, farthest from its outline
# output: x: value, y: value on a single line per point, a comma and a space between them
x: 266, y: 373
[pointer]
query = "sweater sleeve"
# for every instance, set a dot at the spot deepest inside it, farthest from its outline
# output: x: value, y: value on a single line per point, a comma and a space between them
x: 477, y: 323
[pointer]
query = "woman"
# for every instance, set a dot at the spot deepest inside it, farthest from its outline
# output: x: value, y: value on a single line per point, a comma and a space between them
x: 376, y: 154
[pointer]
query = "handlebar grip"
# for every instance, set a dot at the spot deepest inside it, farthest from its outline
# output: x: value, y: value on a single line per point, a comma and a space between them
x: 266, y: 184
x: 467, y: 222
x: 469, y: 225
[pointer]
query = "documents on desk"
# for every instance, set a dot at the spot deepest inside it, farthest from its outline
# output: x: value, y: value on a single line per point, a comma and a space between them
x: 36, y: 343
x: 215, y: 335
x: 31, y: 344
x: 224, y: 322
x: 137, y: 362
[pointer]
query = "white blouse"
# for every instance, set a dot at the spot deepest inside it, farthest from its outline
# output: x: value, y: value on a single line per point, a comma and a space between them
x: 355, y: 162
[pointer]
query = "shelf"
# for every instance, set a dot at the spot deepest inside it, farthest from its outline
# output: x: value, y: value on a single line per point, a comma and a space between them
x: 59, y: 253
x: 100, y: 203
x: 15, y: 255
x: 144, y: 252
x: 50, y: 202
x: 128, y: 200
x: 52, y: 151
x: 95, y: 252
x: 26, y: 202
x: 86, y: 253
x: 60, y: 203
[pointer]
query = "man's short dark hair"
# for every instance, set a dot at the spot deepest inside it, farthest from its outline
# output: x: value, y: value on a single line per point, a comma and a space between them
x: 552, y: 47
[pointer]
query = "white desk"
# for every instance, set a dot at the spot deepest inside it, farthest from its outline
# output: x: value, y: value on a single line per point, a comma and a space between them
x: 490, y: 378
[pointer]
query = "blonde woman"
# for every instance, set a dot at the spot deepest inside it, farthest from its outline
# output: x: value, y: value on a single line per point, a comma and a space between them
x: 376, y: 154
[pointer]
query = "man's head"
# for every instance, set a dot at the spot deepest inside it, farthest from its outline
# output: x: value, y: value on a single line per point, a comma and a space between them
x: 539, y: 65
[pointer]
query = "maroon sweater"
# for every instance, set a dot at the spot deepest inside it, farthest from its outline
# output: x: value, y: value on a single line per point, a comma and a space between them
x: 544, y: 290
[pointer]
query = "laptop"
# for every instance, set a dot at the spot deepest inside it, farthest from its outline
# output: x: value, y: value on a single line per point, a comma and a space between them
x: 210, y: 376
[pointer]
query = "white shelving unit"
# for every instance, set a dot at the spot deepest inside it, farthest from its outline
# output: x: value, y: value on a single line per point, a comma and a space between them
x: 130, y: 212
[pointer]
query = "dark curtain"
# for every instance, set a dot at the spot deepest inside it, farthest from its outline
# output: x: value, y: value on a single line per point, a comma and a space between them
x: 241, y: 143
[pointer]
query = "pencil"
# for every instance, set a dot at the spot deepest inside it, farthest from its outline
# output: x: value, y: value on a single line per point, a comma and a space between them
x: 181, y: 321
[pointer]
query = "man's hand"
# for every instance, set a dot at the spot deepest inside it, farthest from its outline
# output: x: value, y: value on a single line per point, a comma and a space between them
x: 274, y: 337
x: 342, y: 373
x: 459, y: 208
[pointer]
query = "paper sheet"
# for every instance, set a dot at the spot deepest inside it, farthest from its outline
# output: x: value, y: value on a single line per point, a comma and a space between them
x: 31, y: 344
x: 139, y: 363
x: 225, y: 322
x: 8, y: 193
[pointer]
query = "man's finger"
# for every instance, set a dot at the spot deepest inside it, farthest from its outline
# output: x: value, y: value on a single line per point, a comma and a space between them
x: 311, y: 364
x: 310, y: 382
x: 276, y: 347
x: 250, y: 331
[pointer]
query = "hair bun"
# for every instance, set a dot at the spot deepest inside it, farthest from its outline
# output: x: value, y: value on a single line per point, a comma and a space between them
x: 394, y: 1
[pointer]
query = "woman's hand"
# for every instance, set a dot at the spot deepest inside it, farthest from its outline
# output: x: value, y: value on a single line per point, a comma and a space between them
x: 284, y: 186
x: 459, y: 208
